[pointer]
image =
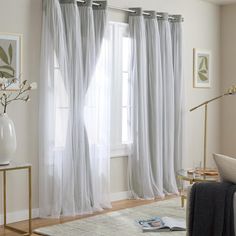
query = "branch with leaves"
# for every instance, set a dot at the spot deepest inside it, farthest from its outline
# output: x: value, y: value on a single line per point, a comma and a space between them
x: 7, y: 96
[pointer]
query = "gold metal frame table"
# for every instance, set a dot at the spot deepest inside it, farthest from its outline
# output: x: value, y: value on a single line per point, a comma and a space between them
x: 183, y: 175
x: 5, y: 169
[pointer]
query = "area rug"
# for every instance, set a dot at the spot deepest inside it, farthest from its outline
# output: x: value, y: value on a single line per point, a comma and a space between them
x: 119, y: 223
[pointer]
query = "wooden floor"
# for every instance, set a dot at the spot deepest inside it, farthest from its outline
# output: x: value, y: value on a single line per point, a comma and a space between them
x: 37, y: 223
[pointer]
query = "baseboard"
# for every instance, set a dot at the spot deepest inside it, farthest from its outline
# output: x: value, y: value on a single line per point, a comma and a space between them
x: 19, y: 216
x: 24, y: 214
x: 119, y: 196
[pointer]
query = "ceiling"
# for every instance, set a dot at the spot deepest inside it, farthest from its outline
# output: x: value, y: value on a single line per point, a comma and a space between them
x: 221, y: 2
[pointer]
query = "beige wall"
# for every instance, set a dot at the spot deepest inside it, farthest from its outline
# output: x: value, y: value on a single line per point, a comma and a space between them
x: 24, y: 17
x: 201, y: 30
x: 228, y: 75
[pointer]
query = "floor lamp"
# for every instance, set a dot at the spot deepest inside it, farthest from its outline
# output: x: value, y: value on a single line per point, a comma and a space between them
x: 231, y: 91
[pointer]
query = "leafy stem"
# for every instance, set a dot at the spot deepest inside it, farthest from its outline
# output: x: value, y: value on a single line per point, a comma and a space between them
x: 7, y: 97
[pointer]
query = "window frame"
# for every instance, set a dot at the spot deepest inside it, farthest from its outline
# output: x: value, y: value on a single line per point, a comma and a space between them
x: 118, y: 31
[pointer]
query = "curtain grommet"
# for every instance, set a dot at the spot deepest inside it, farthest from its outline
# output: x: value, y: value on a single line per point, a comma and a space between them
x: 163, y: 16
x: 176, y: 18
x: 86, y: 3
x: 102, y: 5
x: 152, y: 15
x: 138, y: 11
x: 67, y: 1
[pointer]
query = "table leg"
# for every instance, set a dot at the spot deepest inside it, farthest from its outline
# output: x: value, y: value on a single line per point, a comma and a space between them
x: 182, y: 201
x: 182, y: 193
x: 4, y: 198
x: 30, y: 201
x: 22, y: 232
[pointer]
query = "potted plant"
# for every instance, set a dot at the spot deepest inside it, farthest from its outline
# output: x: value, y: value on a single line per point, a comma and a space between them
x: 7, y: 130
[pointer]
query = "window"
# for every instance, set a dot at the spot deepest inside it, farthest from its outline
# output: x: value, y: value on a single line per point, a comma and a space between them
x: 118, y: 45
x: 61, y: 108
x: 126, y: 108
x: 120, y: 100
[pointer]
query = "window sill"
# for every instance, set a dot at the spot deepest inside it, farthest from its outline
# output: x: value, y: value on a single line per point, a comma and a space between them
x: 119, y: 151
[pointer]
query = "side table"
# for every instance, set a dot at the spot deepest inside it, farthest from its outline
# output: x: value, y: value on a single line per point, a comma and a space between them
x: 12, y: 167
x: 183, y: 175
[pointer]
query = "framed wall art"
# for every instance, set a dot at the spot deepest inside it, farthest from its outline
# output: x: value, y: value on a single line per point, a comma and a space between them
x: 202, y: 68
x: 11, y: 57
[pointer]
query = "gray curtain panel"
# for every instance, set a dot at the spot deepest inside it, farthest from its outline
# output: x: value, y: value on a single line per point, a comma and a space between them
x: 67, y: 185
x: 152, y: 161
x: 53, y: 43
x: 141, y: 182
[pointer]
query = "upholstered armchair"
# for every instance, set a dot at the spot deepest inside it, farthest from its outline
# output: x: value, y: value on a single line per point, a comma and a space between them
x: 227, y: 170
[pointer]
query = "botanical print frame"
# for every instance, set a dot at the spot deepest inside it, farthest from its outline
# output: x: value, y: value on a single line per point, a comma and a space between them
x: 202, y: 68
x: 11, y: 57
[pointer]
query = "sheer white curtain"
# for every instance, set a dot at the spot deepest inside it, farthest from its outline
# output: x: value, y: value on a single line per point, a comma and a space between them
x: 70, y: 183
x: 50, y: 156
x: 152, y: 161
x: 78, y: 195
x: 97, y: 120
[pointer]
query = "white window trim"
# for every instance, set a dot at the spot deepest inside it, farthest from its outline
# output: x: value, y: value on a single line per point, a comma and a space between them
x: 120, y: 151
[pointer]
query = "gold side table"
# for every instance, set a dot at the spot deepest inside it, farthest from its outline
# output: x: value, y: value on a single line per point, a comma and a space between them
x: 12, y: 167
x: 183, y: 175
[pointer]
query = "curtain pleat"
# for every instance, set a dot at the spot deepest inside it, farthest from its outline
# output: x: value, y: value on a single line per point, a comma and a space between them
x: 68, y: 186
x: 78, y: 199
x: 100, y: 25
x: 176, y: 34
x: 50, y: 160
x: 155, y: 99
x: 169, y: 179
x: 97, y: 107
x: 88, y: 40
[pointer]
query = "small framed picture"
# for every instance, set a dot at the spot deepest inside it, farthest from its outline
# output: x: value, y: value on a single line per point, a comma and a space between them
x: 11, y: 57
x: 202, y: 68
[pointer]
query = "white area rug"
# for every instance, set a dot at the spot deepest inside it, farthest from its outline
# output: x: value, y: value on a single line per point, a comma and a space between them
x: 119, y: 223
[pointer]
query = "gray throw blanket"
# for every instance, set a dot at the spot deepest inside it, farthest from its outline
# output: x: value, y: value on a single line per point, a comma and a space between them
x: 211, y: 209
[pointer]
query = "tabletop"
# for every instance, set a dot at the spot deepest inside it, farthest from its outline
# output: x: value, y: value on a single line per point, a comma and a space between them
x: 183, y: 174
x: 15, y: 166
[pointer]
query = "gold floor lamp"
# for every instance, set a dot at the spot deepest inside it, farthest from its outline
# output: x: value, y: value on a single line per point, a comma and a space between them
x: 230, y: 91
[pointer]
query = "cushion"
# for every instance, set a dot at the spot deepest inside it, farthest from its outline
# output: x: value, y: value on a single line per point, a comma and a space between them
x: 226, y: 167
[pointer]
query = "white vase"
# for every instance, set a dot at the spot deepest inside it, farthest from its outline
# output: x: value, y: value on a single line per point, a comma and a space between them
x: 7, y: 139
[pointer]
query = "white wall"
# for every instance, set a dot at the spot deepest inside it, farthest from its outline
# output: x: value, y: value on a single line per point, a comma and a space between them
x: 228, y: 75
x: 201, y: 30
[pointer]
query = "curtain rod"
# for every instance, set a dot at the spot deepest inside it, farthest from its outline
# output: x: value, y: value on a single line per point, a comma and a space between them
x: 126, y: 10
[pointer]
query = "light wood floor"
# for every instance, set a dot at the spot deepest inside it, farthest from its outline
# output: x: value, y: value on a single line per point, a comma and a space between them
x: 37, y: 223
